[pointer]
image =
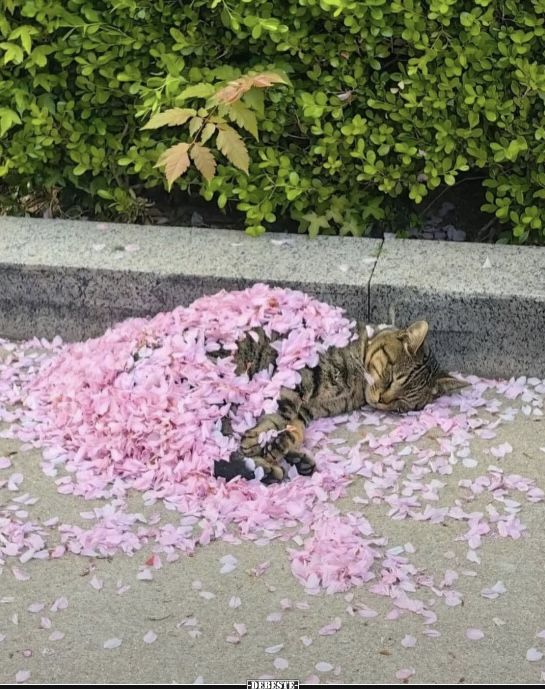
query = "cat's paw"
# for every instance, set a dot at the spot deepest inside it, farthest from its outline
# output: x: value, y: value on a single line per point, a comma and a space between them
x: 287, y: 436
x: 303, y: 462
x: 273, y: 471
x: 250, y: 445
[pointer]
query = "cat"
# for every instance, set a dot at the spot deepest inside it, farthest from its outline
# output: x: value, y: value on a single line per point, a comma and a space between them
x: 390, y: 369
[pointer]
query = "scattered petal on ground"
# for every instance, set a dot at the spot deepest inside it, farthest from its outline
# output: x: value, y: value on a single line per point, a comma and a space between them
x: 96, y: 583
x: 36, y: 607
x: 60, y: 604
x: 331, y: 628
x: 323, y: 666
x: 112, y: 643
x: 475, y: 634
x: 56, y: 636
x: 240, y: 628
x: 280, y: 663
x: 145, y: 574
x: 533, y: 655
x: 274, y: 617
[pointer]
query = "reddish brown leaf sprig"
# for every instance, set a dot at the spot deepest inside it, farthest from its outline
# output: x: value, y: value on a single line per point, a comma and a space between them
x: 209, y: 121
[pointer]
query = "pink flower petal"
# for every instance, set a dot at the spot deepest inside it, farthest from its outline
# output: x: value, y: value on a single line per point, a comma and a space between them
x: 240, y: 628
x: 432, y: 633
x: 56, y: 636
x: 405, y: 673
x: 5, y: 463
x: 36, y: 607
x: 60, y: 604
x: 323, y: 666
x: 145, y: 574
x: 331, y: 628
x: 20, y: 574
x: 533, y: 655
x: 112, y: 643
x: 274, y: 617
x: 474, y: 634
x: 96, y: 583
x: 494, y: 591
x: 280, y: 663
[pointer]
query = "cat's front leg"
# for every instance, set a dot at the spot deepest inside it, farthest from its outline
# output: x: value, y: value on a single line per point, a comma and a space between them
x: 286, y: 436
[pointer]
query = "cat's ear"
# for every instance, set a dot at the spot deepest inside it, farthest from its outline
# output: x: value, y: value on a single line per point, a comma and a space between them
x: 446, y: 383
x: 414, y: 336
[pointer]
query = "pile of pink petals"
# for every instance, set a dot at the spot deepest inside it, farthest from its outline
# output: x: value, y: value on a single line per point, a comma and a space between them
x: 140, y: 408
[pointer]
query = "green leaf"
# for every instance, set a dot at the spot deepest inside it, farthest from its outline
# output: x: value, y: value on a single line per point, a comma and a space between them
x: 12, y: 53
x: 8, y: 118
x: 194, y: 125
x: 178, y: 36
x: 244, y: 117
x: 473, y: 118
x: 315, y: 223
x: 39, y: 55
x: 207, y: 132
x: 170, y: 118
x: 24, y: 34
x: 197, y: 91
x: 255, y: 99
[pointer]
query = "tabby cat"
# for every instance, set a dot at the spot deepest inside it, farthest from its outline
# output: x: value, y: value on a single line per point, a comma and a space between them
x: 390, y: 369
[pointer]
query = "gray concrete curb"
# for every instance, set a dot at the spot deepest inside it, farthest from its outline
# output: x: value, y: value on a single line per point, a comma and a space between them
x: 485, y: 304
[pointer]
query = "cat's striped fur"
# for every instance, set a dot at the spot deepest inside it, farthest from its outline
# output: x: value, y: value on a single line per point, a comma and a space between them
x: 390, y: 369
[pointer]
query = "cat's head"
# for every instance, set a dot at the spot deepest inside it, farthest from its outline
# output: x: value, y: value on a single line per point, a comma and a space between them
x: 401, y: 372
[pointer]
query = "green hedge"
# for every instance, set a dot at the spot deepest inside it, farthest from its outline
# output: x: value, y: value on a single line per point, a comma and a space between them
x: 388, y: 99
